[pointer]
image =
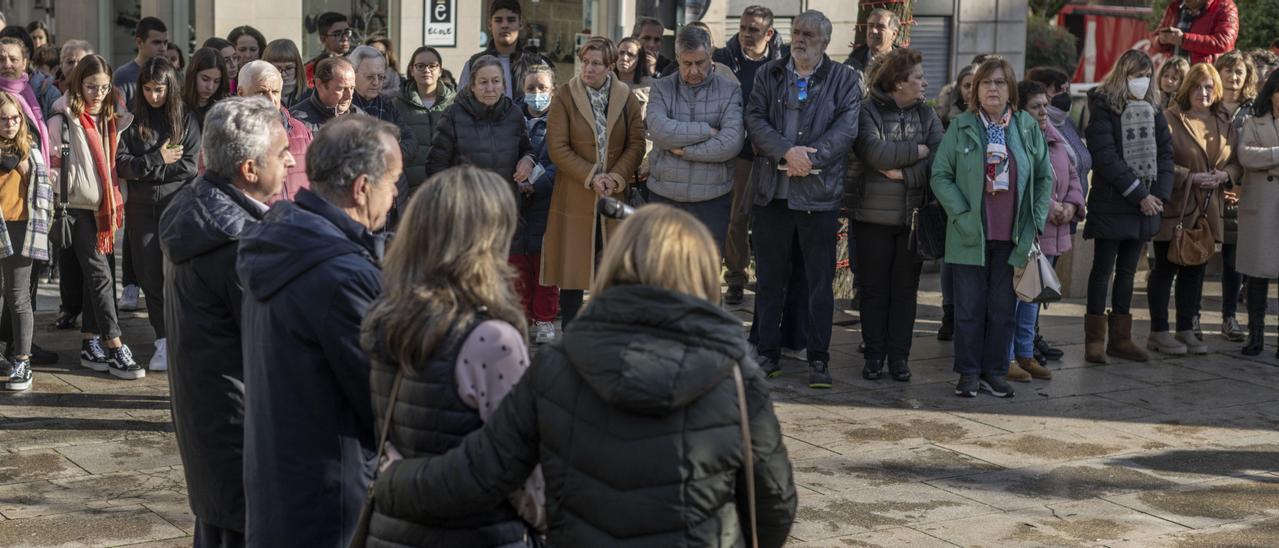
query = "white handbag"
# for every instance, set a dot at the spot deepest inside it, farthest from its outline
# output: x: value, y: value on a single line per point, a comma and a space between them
x: 1037, y: 281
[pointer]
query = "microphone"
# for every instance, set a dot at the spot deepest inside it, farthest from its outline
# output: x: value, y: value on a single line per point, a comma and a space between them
x: 613, y: 208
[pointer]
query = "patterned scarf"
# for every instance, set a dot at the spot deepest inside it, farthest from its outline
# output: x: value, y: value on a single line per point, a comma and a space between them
x: 599, y: 107
x: 1137, y: 127
x: 996, y: 151
x: 111, y: 207
x: 39, y: 210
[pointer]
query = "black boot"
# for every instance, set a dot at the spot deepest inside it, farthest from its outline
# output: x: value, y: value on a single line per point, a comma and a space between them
x: 873, y: 370
x: 899, y: 369
x: 1256, y: 336
x: 947, y: 330
x: 1042, y: 347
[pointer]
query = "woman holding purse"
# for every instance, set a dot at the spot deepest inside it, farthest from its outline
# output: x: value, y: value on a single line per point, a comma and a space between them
x: 993, y: 176
x: 898, y: 134
x: 1202, y: 141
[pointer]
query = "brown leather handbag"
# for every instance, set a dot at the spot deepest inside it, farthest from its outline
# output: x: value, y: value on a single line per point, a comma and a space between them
x: 1192, y: 245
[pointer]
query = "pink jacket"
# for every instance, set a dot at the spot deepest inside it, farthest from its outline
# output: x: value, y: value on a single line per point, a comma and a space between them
x: 1067, y: 189
x: 299, y: 139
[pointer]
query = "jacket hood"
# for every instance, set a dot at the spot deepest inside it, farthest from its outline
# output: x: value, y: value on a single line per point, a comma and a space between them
x: 205, y: 215
x: 408, y: 93
x: 886, y: 102
x: 293, y: 238
x: 653, y: 351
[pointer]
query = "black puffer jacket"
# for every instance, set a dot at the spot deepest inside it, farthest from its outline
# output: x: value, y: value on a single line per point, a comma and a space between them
x: 634, y: 419
x: 493, y: 138
x: 138, y: 161
x: 1111, y: 215
x: 889, y: 138
x: 198, y: 233
x: 422, y: 121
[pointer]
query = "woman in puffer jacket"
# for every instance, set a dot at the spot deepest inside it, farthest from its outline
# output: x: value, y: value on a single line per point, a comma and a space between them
x: 484, y: 128
x: 633, y: 415
x: 1066, y: 207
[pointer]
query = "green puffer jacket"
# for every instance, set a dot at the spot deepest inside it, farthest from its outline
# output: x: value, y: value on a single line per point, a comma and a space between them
x: 421, y: 120
x: 959, y: 182
x: 634, y: 419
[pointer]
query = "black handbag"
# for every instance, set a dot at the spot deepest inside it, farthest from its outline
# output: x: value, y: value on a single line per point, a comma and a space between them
x: 60, y: 228
x: 928, y: 228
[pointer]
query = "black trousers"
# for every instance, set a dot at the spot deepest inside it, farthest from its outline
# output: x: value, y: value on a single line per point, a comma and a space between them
x: 1258, y: 295
x: 1118, y: 258
x: 1231, y: 280
x: 143, y: 222
x: 985, y: 313
x: 775, y: 227
x: 1190, y: 285
x: 98, y: 288
x: 889, y: 274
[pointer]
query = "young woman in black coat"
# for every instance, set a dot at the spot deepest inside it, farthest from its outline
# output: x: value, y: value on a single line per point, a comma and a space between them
x: 1131, y: 149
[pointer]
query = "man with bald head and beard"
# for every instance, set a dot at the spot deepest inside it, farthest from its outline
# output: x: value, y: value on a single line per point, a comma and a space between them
x: 261, y: 78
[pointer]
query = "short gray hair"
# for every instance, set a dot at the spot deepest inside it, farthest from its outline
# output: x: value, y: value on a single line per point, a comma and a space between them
x: 236, y: 130
x: 362, y: 54
x: 346, y: 148
x: 253, y: 71
x: 692, y: 38
x: 893, y: 19
x: 814, y: 20
x: 73, y: 44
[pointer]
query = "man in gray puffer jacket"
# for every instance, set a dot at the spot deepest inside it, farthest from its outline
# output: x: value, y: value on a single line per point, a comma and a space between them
x: 694, y: 120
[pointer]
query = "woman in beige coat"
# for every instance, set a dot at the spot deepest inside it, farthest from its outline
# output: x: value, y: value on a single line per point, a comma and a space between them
x: 1204, y: 166
x: 1258, y: 258
x: 595, y: 137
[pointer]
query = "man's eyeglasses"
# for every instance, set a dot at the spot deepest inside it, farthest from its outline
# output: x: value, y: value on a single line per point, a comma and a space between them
x: 803, y: 90
x: 423, y: 67
x: 340, y: 34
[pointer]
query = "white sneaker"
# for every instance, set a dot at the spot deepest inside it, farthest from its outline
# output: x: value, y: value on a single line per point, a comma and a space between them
x: 159, y: 360
x: 543, y: 332
x: 800, y: 354
x: 129, y: 299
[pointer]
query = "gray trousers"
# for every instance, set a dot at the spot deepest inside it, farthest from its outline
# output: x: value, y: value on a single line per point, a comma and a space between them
x: 99, y: 296
x: 15, y: 277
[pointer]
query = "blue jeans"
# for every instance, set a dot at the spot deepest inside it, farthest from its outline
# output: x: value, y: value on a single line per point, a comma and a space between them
x: 1024, y: 335
x: 985, y: 307
x: 779, y: 232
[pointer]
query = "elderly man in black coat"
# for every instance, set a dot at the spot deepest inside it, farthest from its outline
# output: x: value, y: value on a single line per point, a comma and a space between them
x: 198, y: 234
x: 310, y: 270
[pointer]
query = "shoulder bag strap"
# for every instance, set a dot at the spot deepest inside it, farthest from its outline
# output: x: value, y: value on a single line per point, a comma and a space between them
x: 746, y: 449
x: 386, y: 420
x: 64, y: 153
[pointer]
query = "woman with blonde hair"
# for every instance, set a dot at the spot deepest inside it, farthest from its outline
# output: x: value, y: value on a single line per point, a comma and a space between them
x: 1202, y: 141
x: 448, y: 331
x: 636, y: 407
x: 1171, y: 73
x: 26, y: 202
x: 1132, y: 178
x: 1239, y: 83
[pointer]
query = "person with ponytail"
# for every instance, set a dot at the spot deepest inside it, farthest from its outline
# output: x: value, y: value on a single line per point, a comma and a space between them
x: 93, y: 128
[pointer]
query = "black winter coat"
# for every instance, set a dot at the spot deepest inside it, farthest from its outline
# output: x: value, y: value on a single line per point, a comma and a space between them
x: 493, y: 138
x: 138, y: 161
x: 313, y: 114
x: 198, y: 234
x: 309, y: 273
x: 889, y: 138
x: 634, y: 419
x: 1111, y: 215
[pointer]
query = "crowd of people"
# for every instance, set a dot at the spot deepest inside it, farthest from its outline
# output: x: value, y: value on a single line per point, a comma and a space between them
x: 369, y: 288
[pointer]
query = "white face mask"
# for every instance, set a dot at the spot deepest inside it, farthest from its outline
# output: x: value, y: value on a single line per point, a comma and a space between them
x: 1137, y: 87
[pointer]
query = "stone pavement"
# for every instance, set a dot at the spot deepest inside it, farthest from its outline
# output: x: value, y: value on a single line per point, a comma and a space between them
x: 1178, y: 452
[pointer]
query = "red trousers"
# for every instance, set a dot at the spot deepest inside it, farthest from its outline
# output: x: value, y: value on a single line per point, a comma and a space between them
x: 541, y: 302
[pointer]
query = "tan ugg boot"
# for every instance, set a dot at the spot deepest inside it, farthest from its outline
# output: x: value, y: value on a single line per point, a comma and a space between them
x: 1120, y: 344
x: 1016, y: 373
x: 1029, y: 365
x: 1095, y: 338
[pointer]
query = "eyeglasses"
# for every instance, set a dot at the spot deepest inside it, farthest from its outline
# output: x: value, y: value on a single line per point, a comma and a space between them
x: 11, y: 120
x: 376, y: 77
x: 994, y: 83
x: 286, y: 70
x: 803, y: 89
x: 97, y: 90
x: 340, y: 34
x: 423, y: 67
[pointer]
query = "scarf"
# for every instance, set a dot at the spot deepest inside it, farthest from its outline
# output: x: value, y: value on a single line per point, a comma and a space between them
x: 1137, y: 130
x: 26, y: 97
x: 996, y: 151
x: 599, y: 107
x: 111, y: 207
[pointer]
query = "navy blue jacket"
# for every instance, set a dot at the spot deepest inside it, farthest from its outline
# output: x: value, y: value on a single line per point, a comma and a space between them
x: 309, y: 273
x: 535, y: 208
x: 199, y: 231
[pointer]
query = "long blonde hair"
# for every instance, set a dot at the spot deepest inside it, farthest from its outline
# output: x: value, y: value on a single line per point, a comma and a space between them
x: 1114, y: 87
x: 663, y: 247
x: 447, y: 261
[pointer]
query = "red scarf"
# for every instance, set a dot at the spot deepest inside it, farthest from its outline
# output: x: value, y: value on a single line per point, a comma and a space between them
x: 111, y: 207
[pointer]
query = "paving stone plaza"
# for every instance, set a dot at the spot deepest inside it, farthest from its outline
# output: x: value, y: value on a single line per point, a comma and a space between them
x: 1177, y: 452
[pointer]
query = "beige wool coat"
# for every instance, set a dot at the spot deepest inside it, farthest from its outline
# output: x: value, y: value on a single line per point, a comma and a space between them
x: 568, y: 248
x: 1197, y: 147
x: 1258, y: 153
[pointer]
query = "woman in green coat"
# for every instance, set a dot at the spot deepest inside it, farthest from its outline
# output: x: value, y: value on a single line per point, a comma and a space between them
x: 421, y: 102
x: 993, y: 176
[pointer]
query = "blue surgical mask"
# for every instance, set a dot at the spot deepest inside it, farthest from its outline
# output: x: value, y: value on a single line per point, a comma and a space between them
x: 538, y: 101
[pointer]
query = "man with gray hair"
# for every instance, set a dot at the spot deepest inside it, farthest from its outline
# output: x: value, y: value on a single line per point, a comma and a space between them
x: 694, y: 119
x: 370, y: 75
x: 333, y: 97
x: 309, y: 272
x: 261, y: 79
x: 802, y: 119
x: 882, y: 29
x: 246, y: 154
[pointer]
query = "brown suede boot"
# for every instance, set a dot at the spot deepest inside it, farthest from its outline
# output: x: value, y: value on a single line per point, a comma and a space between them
x: 1121, y: 345
x: 1016, y: 373
x: 1032, y: 367
x: 1095, y: 338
